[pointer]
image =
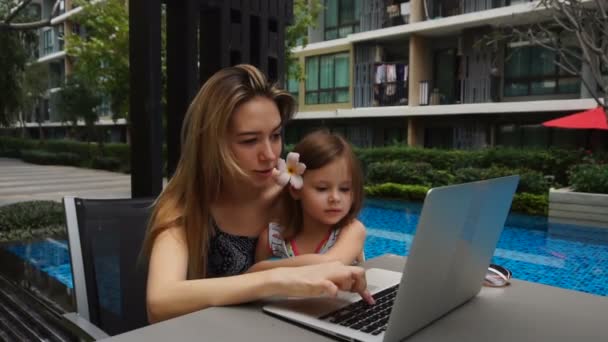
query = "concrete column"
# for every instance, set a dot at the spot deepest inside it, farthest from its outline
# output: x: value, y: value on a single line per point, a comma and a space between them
x: 415, y: 132
x: 416, y: 11
x: 420, y: 67
x: 67, y: 31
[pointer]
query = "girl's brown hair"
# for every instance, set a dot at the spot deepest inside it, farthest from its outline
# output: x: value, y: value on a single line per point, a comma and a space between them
x: 316, y: 150
x: 206, y: 161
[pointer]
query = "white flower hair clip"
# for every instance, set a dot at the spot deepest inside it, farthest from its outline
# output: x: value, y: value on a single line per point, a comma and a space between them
x: 290, y: 171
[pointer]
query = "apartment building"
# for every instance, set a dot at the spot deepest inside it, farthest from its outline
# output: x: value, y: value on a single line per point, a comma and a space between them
x: 412, y: 71
x: 51, y: 53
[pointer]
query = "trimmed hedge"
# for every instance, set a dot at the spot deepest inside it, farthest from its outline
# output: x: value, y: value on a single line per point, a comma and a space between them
x: 48, y: 158
x: 524, y: 203
x: 589, y: 178
x: 531, y: 204
x: 422, y: 173
x: 30, y: 220
x: 397, y: 164
x: 400, y: 191
x: 553, y: 162
x: 112, y: 157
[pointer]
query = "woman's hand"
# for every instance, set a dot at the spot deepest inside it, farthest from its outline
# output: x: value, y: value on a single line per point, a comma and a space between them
x: 321, y: 280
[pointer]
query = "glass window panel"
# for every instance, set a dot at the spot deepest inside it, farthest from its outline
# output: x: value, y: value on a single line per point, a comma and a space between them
x: 516, y: 88
x: 312, y: 98
x: 327, y: 72
x: 342, y: 73
x: 543, y: 87
x: 517, y: 63
x: 542, y: 62
x: 342, y: 96
x: 331, y: 13
x: 292, y: 85
x: 577, y: 63
x: 331, y: 34
x: 569, y: 85
x: 312, y: 73
x: 325, y: 97
x: 347, y: 11
x: 345, y: 31
x: 508, y: 136
x: 535, y: 136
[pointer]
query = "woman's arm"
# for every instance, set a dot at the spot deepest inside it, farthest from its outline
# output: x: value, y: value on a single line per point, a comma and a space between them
x: 347, y: 249
x: 170, y: 294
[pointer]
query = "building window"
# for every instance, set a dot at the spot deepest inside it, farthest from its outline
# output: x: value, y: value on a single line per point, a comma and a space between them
x: 293, y: 86
x: 327, y: 79
x: 341, y: 18
x: 531, y: 70
x: 47, y: 46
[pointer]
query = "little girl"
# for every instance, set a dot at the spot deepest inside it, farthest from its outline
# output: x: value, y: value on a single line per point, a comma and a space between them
x: 324, y: 195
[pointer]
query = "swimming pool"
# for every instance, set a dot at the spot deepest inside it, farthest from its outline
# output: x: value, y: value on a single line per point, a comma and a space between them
x: 570, y: 257
x: 565, y: 256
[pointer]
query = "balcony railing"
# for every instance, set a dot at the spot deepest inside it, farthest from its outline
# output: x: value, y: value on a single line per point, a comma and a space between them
x: 447, y: 8
x: 397, y: 14
x: 477, y: 90
x: 390, y: 94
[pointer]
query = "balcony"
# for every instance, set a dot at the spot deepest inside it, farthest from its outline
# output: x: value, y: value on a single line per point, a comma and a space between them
x: 380, y: 84
x: 390, y: 94
x: 52, y: 40
x: 397, y: 14
x: 377, y: 14
x: 471, y: 90
x: 448, y: 8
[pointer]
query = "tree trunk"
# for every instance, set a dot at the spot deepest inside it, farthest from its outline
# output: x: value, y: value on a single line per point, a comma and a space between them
x: 23, y: 129
x: 40, y: 131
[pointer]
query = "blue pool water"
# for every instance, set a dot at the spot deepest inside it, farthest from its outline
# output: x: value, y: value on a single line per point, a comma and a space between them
x: 565, y: 256
x: 570, y: 257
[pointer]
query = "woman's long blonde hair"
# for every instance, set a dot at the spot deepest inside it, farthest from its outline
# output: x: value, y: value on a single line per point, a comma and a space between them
x: 206, y: 161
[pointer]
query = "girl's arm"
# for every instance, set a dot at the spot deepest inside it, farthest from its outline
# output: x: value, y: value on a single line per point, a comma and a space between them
x: 262, y: 249
x: 347, y: 249
x: 349, y: 246
x: 170, y: 294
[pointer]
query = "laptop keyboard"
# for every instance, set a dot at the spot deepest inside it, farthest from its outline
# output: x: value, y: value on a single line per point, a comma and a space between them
x: 371, y: 319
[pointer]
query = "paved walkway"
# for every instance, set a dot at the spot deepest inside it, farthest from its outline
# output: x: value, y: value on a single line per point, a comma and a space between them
x: 20, y: 181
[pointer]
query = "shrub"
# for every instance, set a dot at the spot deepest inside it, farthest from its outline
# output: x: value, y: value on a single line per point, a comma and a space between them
x: 11, y: 147
x: 399, y: 172
x: 35, y: 219
x: 106, y: 163
x: 78, y: 153
x: 50, y: 158
x: 530, y: 181
x: 439, y: 159
x: 525, y: 203
x: 469, y: 174
x: 589, y: 178
x: 393, y: 190
x: 530, y: 204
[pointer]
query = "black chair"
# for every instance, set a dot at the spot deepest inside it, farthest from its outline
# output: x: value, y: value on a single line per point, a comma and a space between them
x: 105, y: 239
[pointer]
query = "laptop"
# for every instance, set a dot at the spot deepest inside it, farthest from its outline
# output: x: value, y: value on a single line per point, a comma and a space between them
x: 457, y: 233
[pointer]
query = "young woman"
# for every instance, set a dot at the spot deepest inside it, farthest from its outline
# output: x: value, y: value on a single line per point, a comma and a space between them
x: 204, y: 227
x: 320, y: 206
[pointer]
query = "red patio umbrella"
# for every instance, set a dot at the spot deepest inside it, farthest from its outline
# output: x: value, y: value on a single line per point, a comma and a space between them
x: 589, y: 119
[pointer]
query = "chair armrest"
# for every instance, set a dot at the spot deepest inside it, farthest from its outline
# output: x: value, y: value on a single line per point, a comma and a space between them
x: 86, y: 326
